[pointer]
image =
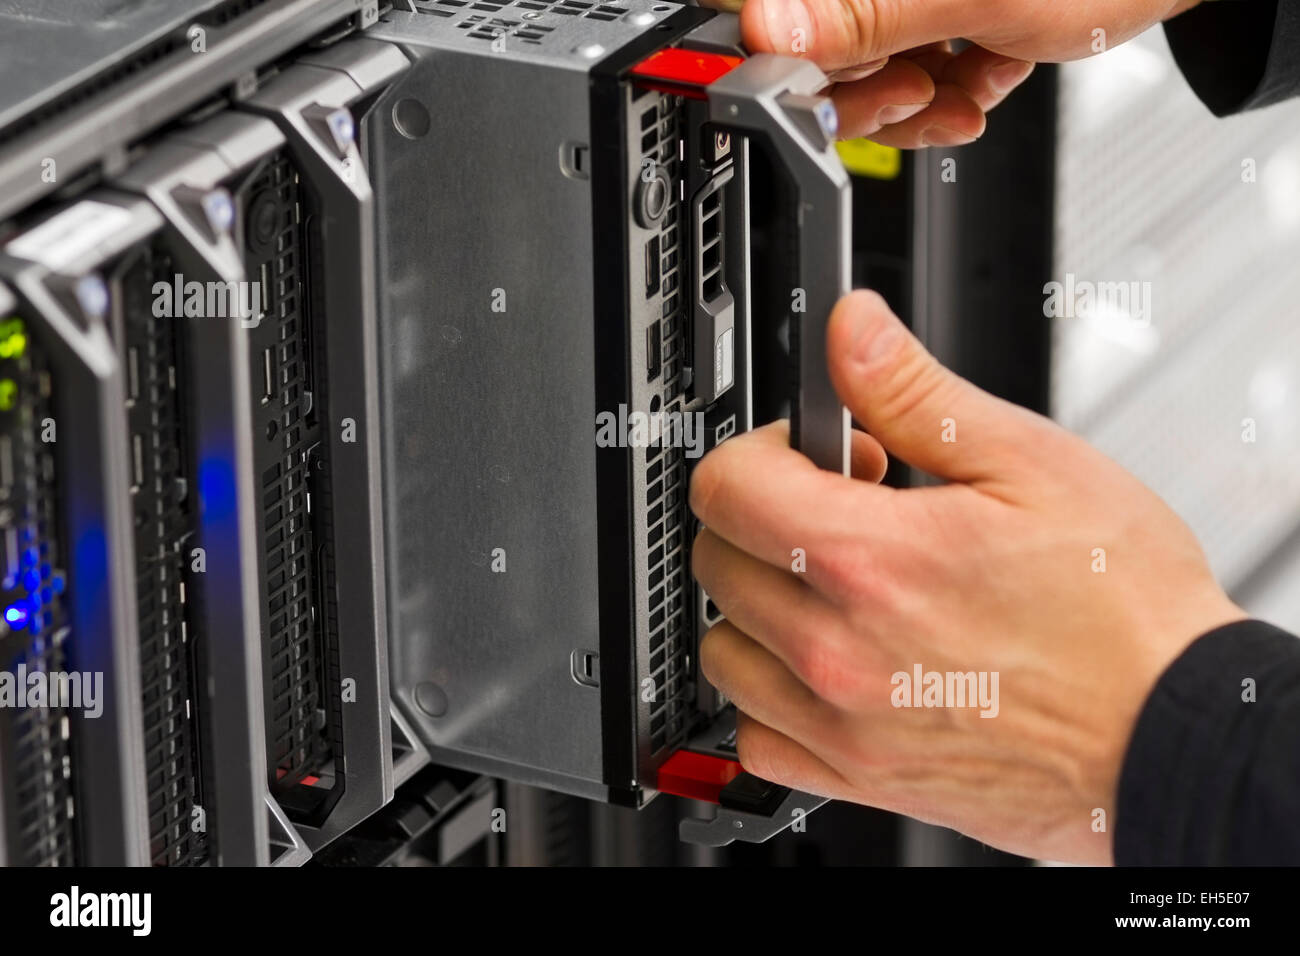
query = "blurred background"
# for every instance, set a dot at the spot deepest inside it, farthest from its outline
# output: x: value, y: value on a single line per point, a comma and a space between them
x: 1150, y: 187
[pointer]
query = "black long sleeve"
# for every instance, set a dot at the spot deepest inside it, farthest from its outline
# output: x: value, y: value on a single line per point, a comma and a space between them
x: 1212, y: 778
x: 1239, y: 54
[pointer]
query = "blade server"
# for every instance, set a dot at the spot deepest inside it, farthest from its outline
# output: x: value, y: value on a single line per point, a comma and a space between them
x: 564, y: 213
x: 312, y: 313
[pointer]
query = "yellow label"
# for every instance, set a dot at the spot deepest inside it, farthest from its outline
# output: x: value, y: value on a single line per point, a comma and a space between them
x: 865, y: 158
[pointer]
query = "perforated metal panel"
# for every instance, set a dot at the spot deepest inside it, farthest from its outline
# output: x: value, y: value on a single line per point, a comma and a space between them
x: 528, y: 22
x: 163, y: 509
x: 288, y: 446
x: 572, y: 31
x: 659, y: 121
x: 1195, y: 388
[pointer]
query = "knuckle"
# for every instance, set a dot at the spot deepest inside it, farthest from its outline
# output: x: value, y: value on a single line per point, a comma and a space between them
x: 845, y: 574
x: 869, y: 25
x: 828, y: 672
x: 756, y: 756
x: 703, y: 551
x: 711, y: 652
x: 918, y: 380
x: 711, y: 477
x: 706, y: 482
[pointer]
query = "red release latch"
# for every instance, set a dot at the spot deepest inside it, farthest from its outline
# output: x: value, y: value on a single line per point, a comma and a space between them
x: 683, y: 72
x: 697, y: 776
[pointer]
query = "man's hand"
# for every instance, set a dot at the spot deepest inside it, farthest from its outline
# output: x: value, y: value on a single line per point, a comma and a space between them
x: 898, y: 80
x: 1041, y: 560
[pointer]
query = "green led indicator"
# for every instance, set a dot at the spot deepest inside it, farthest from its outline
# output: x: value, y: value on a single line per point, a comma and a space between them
x: 13, y: 339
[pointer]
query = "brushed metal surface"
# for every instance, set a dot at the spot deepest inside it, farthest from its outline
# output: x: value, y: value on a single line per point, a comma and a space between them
x: 472, y: 212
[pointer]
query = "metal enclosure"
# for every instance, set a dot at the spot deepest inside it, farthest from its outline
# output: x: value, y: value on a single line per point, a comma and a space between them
x: 544, y: 624
x: 428, y: 421
x: 488, y: 364
x: 211, y: 505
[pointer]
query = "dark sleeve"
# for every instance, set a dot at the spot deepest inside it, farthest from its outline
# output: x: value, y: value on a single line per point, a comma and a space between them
x: 1211, y: 779
x: 1239, y: 54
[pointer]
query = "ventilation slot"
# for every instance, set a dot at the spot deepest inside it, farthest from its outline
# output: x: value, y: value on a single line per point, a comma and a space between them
x: 669, y: 618
x: 711, y: 247
x: 531, y: 25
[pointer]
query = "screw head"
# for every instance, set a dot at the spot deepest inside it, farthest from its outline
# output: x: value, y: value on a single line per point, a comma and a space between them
x: 431, y: 698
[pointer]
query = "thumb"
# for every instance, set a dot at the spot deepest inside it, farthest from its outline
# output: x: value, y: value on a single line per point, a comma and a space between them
x: 917, y: 409
x: 842, y: 33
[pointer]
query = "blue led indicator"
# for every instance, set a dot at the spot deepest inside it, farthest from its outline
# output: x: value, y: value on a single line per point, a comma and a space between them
x: 16, y: 615
x: 217, y: 488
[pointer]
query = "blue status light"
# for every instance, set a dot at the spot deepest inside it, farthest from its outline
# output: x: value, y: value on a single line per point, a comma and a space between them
x: 17, y: 616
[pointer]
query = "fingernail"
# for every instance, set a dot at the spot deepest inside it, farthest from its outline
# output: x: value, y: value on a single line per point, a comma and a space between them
x: 942, y: 136
x: 789, y: 27
x: 896, y: 114
x: 1008, y: 76
x: 853, y: 74
x: 731, y: 6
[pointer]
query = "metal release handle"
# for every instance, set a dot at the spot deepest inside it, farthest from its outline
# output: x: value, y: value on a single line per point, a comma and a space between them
x: 774, y: 99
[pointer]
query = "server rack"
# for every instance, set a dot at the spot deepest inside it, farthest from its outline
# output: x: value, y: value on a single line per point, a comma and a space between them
x: 235, y: 454
x: 248, y: 686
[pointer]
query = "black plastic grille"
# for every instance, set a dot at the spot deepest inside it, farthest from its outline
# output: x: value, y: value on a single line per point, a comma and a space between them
x: 666, y: 502
x: 289, y: 455
x: 162, y: 505
x: 34, y: 632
